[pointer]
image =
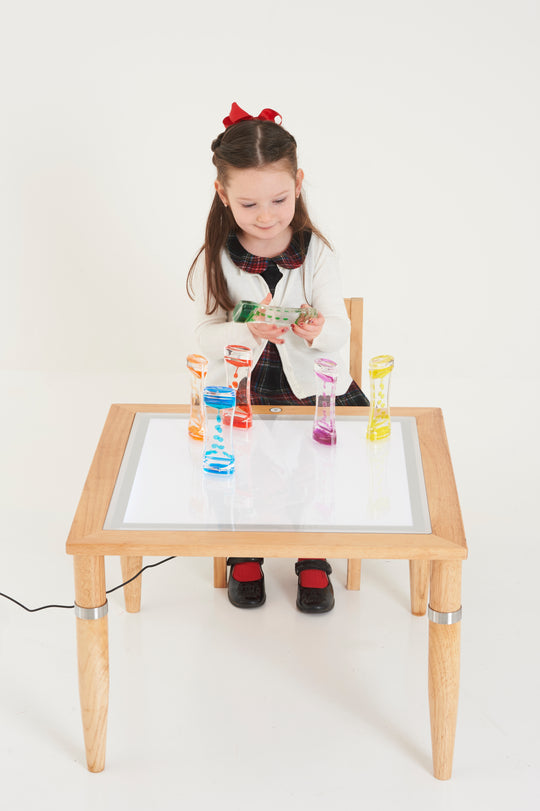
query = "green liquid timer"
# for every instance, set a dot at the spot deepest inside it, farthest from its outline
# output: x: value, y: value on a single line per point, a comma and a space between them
x: 246, y: 311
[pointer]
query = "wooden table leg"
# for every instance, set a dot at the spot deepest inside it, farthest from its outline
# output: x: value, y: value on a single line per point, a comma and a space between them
x: 419, y: 582
x: 444, y: 655
x: 220, y: 573
x: 132, y: 592
x: 93, y: 655
x: 354, y: 568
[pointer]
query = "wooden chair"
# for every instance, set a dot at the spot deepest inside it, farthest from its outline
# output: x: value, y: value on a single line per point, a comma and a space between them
x: 418, y: 569
x: 355, y: 311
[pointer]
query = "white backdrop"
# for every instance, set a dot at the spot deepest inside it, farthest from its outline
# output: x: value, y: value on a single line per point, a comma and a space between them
x: 418, y: 130
x: 418, y: 126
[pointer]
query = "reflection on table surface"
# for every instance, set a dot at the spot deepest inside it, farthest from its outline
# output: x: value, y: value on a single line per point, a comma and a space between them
x: 283, y: 479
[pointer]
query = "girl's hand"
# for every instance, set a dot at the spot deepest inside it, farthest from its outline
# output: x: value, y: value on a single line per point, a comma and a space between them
x: 309, y: 330
x: 264, y: 331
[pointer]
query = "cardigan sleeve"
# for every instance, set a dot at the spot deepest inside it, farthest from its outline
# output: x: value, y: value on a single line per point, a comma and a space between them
x: 327, y: 297
x: 215, y: 331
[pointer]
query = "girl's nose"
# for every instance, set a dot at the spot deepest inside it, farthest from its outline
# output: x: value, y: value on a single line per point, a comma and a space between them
x: 264, y: 215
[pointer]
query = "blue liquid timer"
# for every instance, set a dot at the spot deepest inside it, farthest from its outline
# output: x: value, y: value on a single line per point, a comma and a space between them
x: 218, y: 455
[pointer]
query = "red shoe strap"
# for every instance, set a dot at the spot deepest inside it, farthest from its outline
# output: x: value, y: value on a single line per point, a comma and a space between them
x: 313, y: 578
x: 247, y: 572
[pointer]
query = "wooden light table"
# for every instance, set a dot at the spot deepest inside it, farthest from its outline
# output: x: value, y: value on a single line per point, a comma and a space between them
x: 403, y: 505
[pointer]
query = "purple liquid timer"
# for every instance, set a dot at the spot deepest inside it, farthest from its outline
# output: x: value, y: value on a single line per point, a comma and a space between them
x: 324, y: 421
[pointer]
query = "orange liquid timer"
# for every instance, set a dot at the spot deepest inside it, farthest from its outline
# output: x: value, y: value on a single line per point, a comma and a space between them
x: 198, y: 366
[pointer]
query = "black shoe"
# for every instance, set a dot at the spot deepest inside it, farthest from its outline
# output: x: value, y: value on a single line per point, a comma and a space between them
x: 250, y: 594
x: 312, y: 600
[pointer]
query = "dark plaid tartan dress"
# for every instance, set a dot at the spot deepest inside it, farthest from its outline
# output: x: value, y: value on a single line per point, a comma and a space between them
x: 269, y: 385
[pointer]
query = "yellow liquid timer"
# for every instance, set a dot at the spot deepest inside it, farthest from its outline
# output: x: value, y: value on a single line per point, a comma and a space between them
x: 380, y: 368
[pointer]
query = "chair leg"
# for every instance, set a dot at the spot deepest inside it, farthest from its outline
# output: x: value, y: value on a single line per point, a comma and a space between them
x: 220, y: 573
x: 354, y: 566
x: 419, y: 579
x: 132, y: 592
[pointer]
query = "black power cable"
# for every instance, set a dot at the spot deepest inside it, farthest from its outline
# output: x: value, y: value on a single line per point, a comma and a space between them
x: 108, y: 591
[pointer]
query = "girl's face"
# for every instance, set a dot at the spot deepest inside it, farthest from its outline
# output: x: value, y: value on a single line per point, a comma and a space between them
x: 262, y: 202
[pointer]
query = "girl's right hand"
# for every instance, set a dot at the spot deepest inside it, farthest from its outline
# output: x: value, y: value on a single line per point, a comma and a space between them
x: 263, y: 331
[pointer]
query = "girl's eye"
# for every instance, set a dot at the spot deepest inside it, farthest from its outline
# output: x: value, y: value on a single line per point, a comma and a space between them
x: 248, y: 205
x: 282, y: 200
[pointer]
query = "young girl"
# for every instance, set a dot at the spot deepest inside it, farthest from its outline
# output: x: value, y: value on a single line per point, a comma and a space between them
x: 261, y: 245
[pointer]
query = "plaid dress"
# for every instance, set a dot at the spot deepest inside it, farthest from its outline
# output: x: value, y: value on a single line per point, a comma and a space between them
x: 269, y: 385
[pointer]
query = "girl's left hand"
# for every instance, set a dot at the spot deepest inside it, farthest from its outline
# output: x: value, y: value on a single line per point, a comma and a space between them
x: 310, y: 329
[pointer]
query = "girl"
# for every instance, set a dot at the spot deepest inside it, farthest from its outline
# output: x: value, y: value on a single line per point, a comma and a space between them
x: 261, y: 245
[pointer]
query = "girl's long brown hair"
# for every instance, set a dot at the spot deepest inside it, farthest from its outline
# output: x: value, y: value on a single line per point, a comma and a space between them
x: 246, y: 145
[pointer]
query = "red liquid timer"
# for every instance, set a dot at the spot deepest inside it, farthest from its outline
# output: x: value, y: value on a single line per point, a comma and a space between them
x: 238, y: 362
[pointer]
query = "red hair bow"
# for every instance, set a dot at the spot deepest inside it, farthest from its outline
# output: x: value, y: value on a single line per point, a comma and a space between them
x: 237, y: 114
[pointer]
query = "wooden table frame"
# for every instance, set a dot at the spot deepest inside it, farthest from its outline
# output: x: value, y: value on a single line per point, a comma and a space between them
x: 435, y: 563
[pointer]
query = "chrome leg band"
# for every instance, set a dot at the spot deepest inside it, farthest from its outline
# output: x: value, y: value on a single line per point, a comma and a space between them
x: 444, y: 617
x: 92, y: 613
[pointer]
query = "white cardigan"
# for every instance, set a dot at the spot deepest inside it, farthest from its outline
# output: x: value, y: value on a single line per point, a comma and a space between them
x: 322, y: 290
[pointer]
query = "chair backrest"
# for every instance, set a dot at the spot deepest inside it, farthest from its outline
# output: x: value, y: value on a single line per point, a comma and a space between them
x: 355, y: 311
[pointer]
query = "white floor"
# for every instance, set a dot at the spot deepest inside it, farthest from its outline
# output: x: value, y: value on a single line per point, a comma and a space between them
x: 270, y: 707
